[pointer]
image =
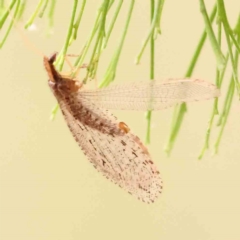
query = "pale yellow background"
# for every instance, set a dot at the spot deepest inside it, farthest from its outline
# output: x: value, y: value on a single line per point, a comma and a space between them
x: 48, y: 189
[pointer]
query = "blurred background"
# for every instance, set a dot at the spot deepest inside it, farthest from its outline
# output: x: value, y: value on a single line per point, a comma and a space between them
x: 49, y: 190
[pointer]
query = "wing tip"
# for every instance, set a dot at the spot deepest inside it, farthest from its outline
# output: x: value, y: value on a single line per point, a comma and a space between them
x: 153, y: 193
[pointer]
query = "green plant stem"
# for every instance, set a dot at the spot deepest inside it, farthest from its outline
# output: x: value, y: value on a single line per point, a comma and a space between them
x: 224, y: 70
x: 93, y: 72
x: 215, y: 105
x: 79, y: 61
x: 237, y: 32
x: 11, y: 24
x: 228, y: 32
x: 155, y: 25
x: 220, y: 83
x: 78, y: 21
x: 6, y: 13
x: 100, y: 36
x: 208, y: 27
x: 93, y: 64
x: 223, y: 17
x: 152, y: 48
x: 2, y: 4
x: 51, y: 14
x: 113, y: 23
x: 237, y: 27
x: 60, y: 58
x: 44, y: 8
x: 54, y: 112
x: 112, y: 68
x: 177, y: 120
x: 102, y: 12
x: 158, y: 21
x: 2, y: 7
x: 228, y: 101
x: 21, y: 10
x: 227, y: 106
x: 35, y: 13
x: 180, y: 111
x: 208, y: 132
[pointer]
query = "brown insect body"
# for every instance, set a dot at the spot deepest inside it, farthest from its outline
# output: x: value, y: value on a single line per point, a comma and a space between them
x: 107, y: 143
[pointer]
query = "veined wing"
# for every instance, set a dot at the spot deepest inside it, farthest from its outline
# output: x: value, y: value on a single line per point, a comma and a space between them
x: 152, y: 95
x: 112, y: 148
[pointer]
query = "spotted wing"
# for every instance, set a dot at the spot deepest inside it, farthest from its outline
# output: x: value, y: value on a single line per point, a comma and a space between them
x: 152, y: 95
x: 114, y: 151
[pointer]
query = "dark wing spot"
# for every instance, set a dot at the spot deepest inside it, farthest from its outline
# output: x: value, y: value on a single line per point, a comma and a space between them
x: 103, y: 162
x: 134, y: 154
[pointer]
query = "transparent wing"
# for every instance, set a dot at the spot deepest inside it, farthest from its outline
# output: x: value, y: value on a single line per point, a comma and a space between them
x: 116, y: 153
x: 152, y: 95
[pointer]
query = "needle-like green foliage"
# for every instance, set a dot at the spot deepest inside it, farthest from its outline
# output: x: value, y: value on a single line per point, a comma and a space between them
x: 100, y: 36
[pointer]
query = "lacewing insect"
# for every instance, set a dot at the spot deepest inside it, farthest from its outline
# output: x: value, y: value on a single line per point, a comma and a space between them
x: 109, y: 144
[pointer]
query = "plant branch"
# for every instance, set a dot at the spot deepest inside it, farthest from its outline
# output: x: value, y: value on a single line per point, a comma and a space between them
x: 112, y: 68
x: 11, y: 24
x: 228, y: 32
x: 60, y: 58
x: 6, y: 13
x: 155, y: 25
x: 215, y: 46
x: 180, y: 111
x: 35, y: 13
x: 152, y: 48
